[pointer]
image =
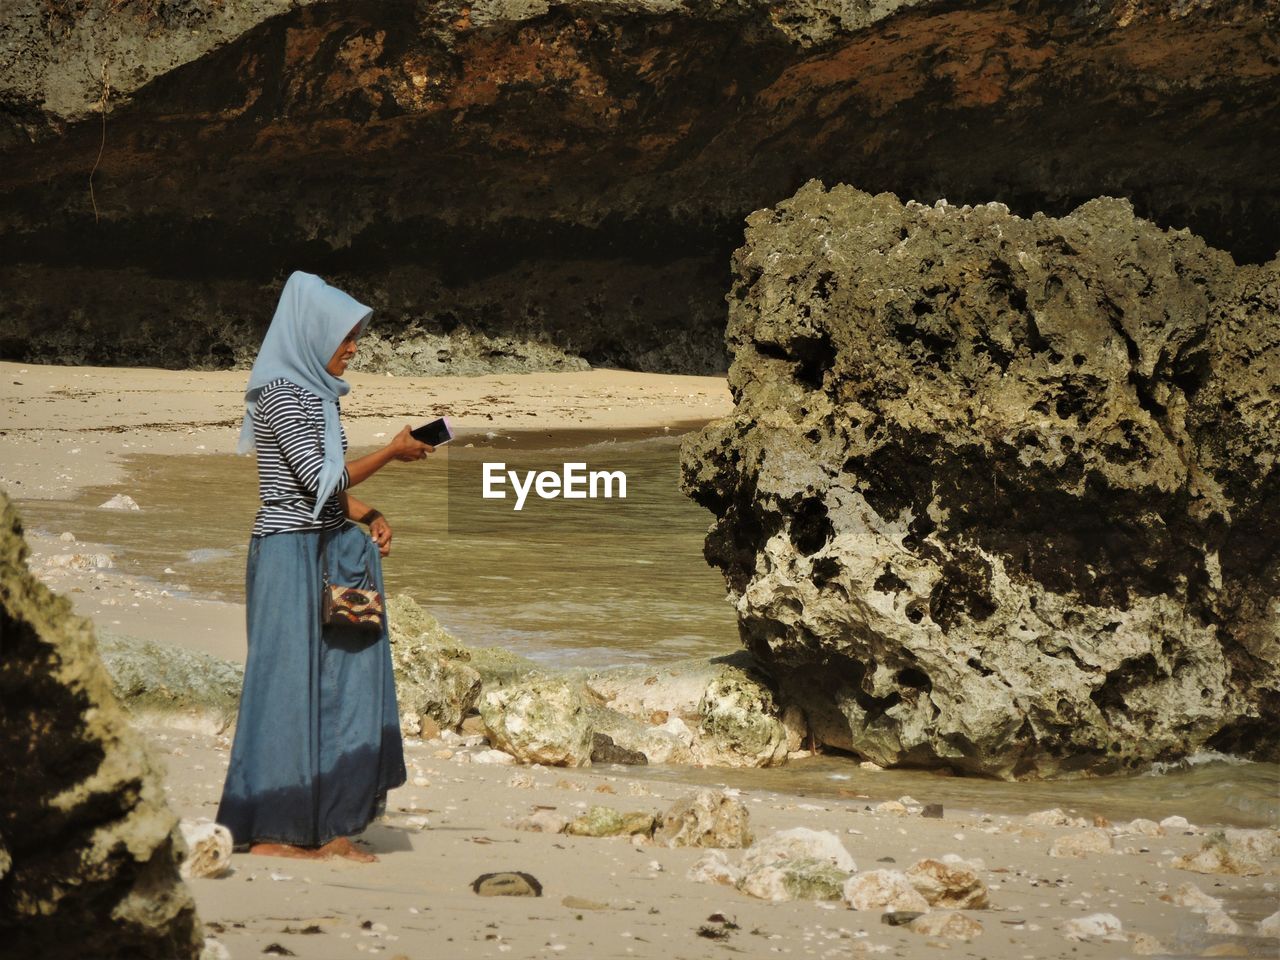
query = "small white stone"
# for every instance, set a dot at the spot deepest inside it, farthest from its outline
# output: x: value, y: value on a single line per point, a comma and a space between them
x: 208, y: 848
x: 1096, y: 926
x: 1218, y: 922
x: 121, y: 501
x: 1144, y: 828
x: 1270, y: 927
x: 492, y: 756
x: 1191, y: 896
x: 1085, y: 843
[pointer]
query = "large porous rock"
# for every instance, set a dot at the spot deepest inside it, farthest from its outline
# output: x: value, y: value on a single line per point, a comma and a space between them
x: 540, y: 721
x: 90, y: 851
x: 1001, y: 494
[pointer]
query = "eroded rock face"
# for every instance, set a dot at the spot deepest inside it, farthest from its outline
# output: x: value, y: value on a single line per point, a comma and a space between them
x: 89, y: 852
x: 1001, y: 494
x: 521, y: 184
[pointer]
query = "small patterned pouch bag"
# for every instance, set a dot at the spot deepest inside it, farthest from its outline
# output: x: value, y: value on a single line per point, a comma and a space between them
x: 356, y: 607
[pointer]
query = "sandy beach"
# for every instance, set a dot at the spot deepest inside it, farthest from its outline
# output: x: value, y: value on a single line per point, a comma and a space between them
x: 1069, y: 884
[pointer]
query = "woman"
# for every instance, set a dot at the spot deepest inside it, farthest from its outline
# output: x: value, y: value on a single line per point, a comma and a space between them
x: 317, y: 742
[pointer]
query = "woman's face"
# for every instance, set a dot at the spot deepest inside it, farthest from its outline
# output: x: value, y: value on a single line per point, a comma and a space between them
x: 337, y: 364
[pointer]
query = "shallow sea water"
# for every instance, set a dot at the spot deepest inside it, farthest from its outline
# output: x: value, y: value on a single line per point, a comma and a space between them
x: 580, y: 583
x: 583, y: 582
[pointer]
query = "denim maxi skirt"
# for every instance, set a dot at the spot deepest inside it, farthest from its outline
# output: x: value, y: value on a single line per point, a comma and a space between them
x: 317, y: 743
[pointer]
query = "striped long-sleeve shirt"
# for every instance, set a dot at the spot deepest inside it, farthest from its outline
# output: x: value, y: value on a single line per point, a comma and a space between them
x: 288, y: 431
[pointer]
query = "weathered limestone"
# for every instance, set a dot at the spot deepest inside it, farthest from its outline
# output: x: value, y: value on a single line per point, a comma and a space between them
x: 706, y: 818
x: 946, y: 924
x: 89, y: 852
x: 601, y: 821
x: 1239, y: 852
x: 884, y: 890
x: 714, y: 867
x: 416, y: 633
x: 796, y: 864
x: 438, y: 681
x: 539, y: 721
x: 742, y: 716
x: 796, y: 844
x: 1082, y: 844
x: 955, y: 885
x: 1270, y: 926
x: 719, y: 713
x: 803, y: 878
x: 174, y: 684
x: 1000, y: 494
x: 543, y: 821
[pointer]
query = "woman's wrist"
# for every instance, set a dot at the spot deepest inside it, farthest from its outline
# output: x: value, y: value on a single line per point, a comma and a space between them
x: 369, y: 517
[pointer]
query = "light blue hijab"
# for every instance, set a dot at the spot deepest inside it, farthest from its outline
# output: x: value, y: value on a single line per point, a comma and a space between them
x: 310, y: 323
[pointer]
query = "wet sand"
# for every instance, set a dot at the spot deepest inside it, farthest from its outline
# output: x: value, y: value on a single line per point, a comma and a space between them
x: 64, y: 428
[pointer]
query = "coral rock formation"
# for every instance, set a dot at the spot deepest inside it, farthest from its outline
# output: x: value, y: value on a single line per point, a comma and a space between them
x: 89, y: 852
x: 1001, y: 494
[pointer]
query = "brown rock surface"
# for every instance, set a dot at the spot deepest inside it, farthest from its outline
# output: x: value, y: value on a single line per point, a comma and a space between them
x: 519, y: 184
x: 90, y: 848
x: 1001, y: 494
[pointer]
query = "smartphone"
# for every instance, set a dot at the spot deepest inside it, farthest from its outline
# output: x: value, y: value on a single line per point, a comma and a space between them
x: 435, y: 433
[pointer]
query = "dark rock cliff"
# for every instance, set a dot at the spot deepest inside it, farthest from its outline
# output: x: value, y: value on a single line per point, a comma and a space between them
x: 519, y: 184
x: 1002, y: 494
x: 89, y: 850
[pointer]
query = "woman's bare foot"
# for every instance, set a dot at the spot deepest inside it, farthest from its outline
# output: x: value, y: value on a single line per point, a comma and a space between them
x: 289, y: 850
x: 342, y: 847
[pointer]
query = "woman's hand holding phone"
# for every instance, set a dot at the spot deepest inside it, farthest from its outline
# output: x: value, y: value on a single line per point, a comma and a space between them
x: 405, y: 448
